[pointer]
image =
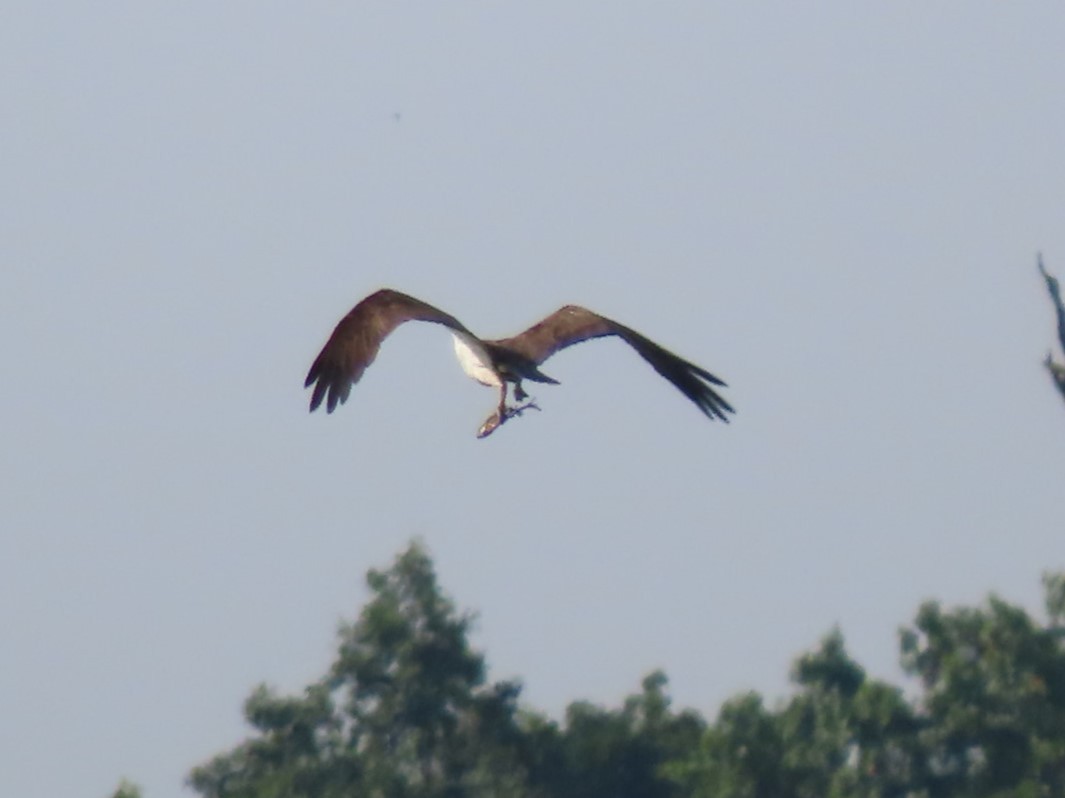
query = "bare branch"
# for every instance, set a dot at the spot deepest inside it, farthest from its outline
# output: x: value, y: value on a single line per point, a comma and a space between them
x: 1057, y: 370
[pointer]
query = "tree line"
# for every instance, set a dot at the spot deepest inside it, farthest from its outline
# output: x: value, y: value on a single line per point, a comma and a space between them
x: 406, y: 711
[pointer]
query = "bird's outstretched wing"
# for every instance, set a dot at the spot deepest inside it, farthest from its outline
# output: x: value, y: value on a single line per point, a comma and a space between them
x: 573, y: 324
x: 357, y: 338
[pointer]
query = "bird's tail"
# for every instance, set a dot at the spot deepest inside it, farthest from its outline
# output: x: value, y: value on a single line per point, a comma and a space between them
x: 516, y: 365
x: 536, y: 375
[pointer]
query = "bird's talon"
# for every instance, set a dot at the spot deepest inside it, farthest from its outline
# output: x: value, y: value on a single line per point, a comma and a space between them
x: 517, y: 410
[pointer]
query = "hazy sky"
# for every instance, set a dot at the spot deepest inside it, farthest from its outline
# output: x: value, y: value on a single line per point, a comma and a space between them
x: 836, y: 207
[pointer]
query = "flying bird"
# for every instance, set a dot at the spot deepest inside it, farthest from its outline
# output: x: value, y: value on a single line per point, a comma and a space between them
x: 357, y: 338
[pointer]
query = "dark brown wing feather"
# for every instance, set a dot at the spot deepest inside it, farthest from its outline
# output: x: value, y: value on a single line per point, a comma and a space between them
x: 357, y: 338
x: 573, y: 324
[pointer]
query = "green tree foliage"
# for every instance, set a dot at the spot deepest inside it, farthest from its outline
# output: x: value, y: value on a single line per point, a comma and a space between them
x: 840, y: 735
x: 618, y: 752
x: 1054, y: 585
x: 994, y: 697
x: 740, y: 756
x: 127, y: 789
x: 990, y: 722
x: 406, y: 711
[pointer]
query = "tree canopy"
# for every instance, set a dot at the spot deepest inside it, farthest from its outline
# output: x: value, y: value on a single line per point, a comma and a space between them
x: 406, y: 710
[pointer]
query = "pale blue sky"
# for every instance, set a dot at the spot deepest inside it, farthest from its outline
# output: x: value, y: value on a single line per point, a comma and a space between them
x: 835, y: 207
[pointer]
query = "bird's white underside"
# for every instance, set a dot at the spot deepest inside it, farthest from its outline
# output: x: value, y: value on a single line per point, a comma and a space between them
x: 474, y: 360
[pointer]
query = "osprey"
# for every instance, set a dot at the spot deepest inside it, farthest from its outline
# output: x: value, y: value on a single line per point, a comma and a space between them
x: 358, y: 336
